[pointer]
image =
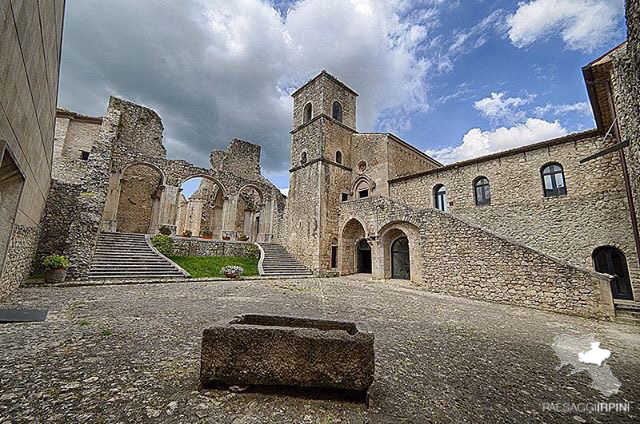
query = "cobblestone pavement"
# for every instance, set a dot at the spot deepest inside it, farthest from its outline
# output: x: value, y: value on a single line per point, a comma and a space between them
x: 130, y: 353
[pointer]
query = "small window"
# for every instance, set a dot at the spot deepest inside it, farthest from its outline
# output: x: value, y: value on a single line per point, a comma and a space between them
x: 345, y: 197
x: 482, y: 191
x: 337, y: 111
x: 339, y: 157
x: 308, y: 112
x: 303, y: 158
x: 363, y: 193
x: 84, y: 155
x: 440, y: 197
x: 334, y: 256
x: 553, y: 180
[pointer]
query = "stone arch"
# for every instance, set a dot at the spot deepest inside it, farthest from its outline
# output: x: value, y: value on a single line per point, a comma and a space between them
x: 390, y: 233
x: 203, y: 215
x: 352, y: 233
x: 141, y: 188
x: 249, y: 206
x: 360, y: 184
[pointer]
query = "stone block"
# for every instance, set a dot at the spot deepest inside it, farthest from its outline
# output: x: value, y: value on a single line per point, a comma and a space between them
x: 266, y: 350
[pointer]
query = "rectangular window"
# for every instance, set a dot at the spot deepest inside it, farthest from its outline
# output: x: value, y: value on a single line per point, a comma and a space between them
x: 84, y: 155
x: 334, y: 256
x: 363, y: 193
x: 345, y: 197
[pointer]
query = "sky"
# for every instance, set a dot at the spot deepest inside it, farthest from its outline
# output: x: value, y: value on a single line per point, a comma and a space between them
x: 457, y: 79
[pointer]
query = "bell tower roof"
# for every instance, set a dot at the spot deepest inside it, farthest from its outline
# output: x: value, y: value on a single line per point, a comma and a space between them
x: 324, y: 74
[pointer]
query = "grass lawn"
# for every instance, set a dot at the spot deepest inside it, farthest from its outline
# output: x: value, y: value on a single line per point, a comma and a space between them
x: 209, y: 266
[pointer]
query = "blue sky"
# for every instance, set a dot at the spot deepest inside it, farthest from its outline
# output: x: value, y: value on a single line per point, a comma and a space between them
x: 457, y: 79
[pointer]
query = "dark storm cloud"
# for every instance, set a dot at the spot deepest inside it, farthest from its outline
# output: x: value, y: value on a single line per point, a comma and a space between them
x: 218, y: 69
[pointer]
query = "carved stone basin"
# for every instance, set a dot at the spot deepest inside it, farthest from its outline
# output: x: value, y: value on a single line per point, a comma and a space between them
x: 268, y: 350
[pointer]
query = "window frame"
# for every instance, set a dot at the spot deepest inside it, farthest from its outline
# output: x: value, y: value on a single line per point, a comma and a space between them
x: 478, y: 182
x: 333, y: 111
x: 555, y: 191
x: 442, y: 196
x: 338, y: 157
x: 307, y: 112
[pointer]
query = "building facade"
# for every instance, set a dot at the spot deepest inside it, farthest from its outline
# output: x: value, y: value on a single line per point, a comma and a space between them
x: 30, y: 45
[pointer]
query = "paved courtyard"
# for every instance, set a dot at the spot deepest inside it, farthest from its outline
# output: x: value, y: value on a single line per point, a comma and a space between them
x: 130, y: 353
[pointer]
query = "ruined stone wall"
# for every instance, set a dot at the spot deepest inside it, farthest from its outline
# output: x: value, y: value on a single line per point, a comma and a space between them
x: 240, y: 158
x: 73, y: 136
x: 183, y: 246
x: 30, y: 45
x: 458, y: 258
x: 594, y: 213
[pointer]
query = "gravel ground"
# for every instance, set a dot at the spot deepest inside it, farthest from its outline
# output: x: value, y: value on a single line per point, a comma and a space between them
x: 130, y: 353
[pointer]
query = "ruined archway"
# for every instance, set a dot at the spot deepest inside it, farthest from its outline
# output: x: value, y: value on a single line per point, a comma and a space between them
x: 141, y: 188
x: 250, y: 204
x: 200, y: 207
x: 352, y: 233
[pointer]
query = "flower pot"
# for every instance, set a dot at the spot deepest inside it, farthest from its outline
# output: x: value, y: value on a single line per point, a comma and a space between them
x: 226, y: 238
x: 55, y: 276
x: 231, y: 275
x: 208, y: 237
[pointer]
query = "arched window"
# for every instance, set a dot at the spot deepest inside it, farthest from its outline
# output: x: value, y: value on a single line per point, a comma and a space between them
x: 337, y: 111
x: 481, y: 191
x: 440, y: 197
x: 553, y: 180
x: 400, y: 263
x: 338, y: 156
x: 308, y: 112
x: 303, y: 158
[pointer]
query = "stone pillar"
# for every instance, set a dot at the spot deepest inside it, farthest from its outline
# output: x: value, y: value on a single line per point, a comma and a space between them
x: 229, y: 210
x: 169, y: 208
x: 110, y: 216
x: 377, y: 258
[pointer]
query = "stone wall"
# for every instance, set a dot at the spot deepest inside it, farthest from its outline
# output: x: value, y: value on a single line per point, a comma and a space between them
x: 187, y: 246
x: 594, y: 213
x: 30, y: 45
x: 240, y: 158
x: 458, y: 258
x: 139, y: 190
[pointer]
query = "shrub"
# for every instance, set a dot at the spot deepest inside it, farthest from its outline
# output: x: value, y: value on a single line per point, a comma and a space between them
x: 56, y: 262
x: 187, y: 233
x: 232, y: 271
x: 206, y: 233
x: 253, y: 251
x: 163, y: 243
x: 165, y: 230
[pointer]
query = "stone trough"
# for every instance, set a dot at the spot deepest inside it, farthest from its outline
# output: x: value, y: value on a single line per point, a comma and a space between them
x: 268, y: 350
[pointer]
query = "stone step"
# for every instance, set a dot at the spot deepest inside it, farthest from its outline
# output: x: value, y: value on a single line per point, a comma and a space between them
x: 277, y: 261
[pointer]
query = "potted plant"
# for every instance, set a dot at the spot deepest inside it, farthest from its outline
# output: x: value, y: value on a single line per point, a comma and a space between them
x: 55, y: 268
x: 165, y: 230
x: 226, y: 237
x: 243, y: 237
x: 231, y: 271
x: 187, y: 233
x: 206, y: 234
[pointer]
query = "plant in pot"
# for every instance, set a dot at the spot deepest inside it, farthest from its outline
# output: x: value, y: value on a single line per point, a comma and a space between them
x: 165, y: 230
x: 243, y: 237
x: 226, y: 237
x: 187, y: 233
x: 231, y: 271
x: 206, y: 234
x: 55, y: 268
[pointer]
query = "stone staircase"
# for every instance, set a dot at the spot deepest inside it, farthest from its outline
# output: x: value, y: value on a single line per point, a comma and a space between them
x: 276, y: 261
x: 122, y: 255
x: 628, y: 311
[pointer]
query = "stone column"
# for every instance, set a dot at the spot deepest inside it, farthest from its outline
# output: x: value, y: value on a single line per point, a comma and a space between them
x: 169, y: 208
x: 377, y: 258
x: 110, y: 216
x: 229, y: 210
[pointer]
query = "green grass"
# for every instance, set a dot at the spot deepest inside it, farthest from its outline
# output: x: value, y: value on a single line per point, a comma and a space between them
x: 209, y: 266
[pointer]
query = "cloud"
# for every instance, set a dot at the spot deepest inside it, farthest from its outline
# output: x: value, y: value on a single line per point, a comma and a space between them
x: 584, y: 25
x: 285, y: 191
x: 582, y: 108
x: 499, y: 108
x: 477, y: 143
x: 218, y: 69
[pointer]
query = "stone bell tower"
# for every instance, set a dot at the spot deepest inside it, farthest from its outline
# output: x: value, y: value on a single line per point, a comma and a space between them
x: 324, y: 118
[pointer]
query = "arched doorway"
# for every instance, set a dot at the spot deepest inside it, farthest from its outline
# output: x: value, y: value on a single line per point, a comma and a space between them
x: 141, y: 188
x: 400, y: 262
x: 200, y: 208
x: 609, y: 260
x: 352, y: 233
x: 364, y: 257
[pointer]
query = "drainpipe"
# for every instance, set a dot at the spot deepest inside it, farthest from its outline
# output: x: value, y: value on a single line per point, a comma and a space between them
x: 625, y: 173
